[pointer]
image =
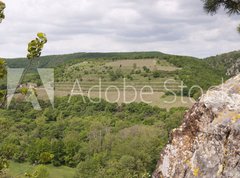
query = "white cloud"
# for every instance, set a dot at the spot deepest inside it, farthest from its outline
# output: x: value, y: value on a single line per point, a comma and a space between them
x: 176, y: 26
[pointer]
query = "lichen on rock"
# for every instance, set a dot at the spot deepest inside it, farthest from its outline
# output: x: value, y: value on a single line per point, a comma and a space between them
x: 206, y: 145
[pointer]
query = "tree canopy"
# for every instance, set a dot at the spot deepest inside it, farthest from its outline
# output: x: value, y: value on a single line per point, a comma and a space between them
x: 2, y: 7
x: 2, y: 63
x: 35, y: 48
x: 230, y: 6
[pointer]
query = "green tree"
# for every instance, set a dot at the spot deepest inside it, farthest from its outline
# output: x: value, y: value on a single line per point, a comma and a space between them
x: 2, y: 62
x: 3, y: 165
x: 35, y: 48
x: 230, y: 6
x: 45, y: 158
x: 2, y: 7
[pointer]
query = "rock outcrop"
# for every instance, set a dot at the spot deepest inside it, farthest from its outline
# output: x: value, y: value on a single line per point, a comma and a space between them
x: 207, y: 144
x: 234, y: 68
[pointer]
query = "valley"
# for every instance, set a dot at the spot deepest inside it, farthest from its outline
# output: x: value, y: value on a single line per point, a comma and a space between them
x: 113, y: 113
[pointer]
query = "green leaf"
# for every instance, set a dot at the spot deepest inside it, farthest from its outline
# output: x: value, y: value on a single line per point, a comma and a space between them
x: 41, y: 35
x: 35, y: 47
x: 2, y: 7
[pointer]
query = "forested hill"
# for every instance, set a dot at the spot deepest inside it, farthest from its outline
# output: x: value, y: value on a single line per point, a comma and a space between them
x: 223, y: 62
x: 55, y: 60
x: 228, y: 62
x: 193, y: 71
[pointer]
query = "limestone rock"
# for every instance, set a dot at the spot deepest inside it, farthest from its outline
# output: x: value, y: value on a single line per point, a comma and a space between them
x: 207, y: 144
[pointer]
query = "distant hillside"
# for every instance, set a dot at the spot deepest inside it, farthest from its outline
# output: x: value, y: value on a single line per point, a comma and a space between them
x: 228, y: 62
x: 55, y: 60
x: 193, y: 71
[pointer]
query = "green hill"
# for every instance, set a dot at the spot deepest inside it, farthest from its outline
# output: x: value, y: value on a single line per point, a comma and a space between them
x: 192, y: 71
x: 229, y: 63
x: 55, y: 60
x: 101, y: 139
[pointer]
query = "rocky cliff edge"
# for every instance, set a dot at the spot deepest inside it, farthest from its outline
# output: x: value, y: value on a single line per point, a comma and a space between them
x: 207, y: 144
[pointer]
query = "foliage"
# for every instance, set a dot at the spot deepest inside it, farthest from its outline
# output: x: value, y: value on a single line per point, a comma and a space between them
x: 195, y: 72
x: 224, y: 62
x: 35, y: 46
x: 2, y: 68
x: 114, y: 75
x: 192, y: 71
x: 231, y: 6
x: 3, y: 166
x: 34, y: 51
x: 2, y: 63
x: 17, y: 170
x: 103, y: 137
x: 2, y: 7
x: 40, y: 172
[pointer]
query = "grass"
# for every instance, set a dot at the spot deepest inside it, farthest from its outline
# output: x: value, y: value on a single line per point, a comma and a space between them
x: 17, y: 170
x: 89, y: 72
x: 156, y: 99
x: 92, y: 70
x: 140, y: 63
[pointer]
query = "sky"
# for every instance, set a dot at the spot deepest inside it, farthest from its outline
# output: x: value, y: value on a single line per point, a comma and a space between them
x: 170, y: 26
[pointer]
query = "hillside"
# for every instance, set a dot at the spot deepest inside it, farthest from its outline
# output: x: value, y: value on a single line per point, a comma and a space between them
x: 228, y: 62
x: 55, y: 60
x: 88, y: 67
x: 112, y: 140
x: 115, y: 139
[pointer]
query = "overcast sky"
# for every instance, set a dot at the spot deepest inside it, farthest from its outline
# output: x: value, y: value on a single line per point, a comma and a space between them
x: 169, y: 26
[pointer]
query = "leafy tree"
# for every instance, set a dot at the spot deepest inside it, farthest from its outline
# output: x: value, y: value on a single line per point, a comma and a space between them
x: 2, y: 7
x: 147, y: 70
x: 35, y: 48
x: 2, y: 62
x: 3, y: 165
x: 34, y: 51
x: 45, y: 158
x: 58, y: 152
x: 102, y: 140
x: 156, y: 74
x: 230, y: 6
x: 114, y: 75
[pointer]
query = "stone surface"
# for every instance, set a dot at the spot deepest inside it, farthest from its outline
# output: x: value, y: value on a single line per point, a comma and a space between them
x: 234, y: 69
x: 207, y: 144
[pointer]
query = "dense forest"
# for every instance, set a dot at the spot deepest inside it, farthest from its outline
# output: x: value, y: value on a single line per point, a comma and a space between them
x: 98, y: 139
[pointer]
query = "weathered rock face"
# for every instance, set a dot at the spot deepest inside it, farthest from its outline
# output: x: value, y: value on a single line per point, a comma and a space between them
x: 207, y: 145
x: 234, y: 69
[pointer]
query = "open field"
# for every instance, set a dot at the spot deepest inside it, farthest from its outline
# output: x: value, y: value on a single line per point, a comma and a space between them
x: 155, y: 99
x: 152, y: 93
x: 17, y: 170
x: 109, y: 70
x: 152, y: 64
x: 117, y: 78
